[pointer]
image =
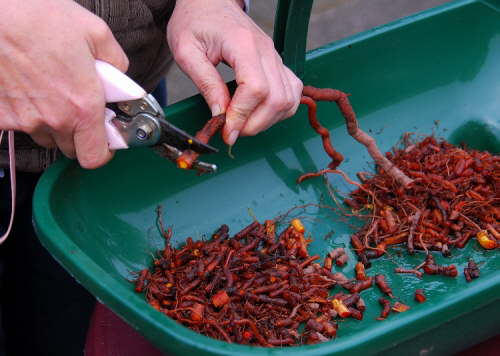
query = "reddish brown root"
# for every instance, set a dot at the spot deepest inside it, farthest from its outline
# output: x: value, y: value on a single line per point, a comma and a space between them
x: 336, y: 157
x: 342, y: 101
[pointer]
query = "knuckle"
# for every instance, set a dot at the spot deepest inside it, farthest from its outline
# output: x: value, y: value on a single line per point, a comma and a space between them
x: 44, y: 141
x: 125, y: 62
x: 279, y: 103
x: 251, y: 130
x: 275, y: 106
x: 238, y: 115
x: 299, y: 86
x: 244, y: 34
x: 56, y: 123
x: 296, y: 83
x: 68, y: 152
x: 100, y: 31
x: 293, y: 109
x: 30, y: 125
x: 181, y: 56
x: 290, y: 113
x: 25, y: 118
x: 207, y: 86
x: 181, y: 52
x: 268, y: 42
x: 87, y: 107
x: 290, y: 104
x: 258, y: 89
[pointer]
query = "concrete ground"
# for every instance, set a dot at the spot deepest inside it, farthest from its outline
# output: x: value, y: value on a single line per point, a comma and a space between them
x: 331, y: 20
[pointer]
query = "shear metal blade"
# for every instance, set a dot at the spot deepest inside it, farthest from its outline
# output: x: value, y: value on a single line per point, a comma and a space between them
x: 173, y: 136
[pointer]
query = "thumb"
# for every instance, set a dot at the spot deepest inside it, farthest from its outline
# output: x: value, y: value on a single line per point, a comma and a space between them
x: 205, y: 76
x: 106, y: 48
x: 252, y: 89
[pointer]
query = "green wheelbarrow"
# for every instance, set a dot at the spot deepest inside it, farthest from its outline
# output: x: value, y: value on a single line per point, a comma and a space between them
x: 435, y: 72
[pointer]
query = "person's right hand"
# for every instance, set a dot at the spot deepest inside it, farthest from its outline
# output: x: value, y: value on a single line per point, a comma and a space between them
x: 49, y: 87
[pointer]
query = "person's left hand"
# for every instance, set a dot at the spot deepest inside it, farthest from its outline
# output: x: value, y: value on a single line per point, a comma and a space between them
x: 201, y: 34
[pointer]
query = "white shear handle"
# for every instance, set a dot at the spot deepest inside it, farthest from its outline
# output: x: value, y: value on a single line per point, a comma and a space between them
x: 117, y: 87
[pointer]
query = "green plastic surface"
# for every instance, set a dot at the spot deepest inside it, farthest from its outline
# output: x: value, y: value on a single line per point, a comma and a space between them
x: 437, y: 72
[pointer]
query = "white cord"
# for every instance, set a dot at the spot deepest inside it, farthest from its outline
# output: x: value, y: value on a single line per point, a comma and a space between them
x: 12, y: 167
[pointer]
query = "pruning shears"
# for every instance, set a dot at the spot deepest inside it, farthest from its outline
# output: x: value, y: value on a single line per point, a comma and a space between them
x: 133, y: 118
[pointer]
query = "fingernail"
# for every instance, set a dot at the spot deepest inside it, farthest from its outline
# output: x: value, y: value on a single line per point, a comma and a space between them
x: 232, y: 137
x: 216, y: 110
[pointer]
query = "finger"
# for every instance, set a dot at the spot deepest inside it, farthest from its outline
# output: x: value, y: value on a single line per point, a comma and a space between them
x: 91, y: 144
x: 289, y: 94
x: 272, y: 109
x: 89, y: 135
x: 105, y: 47
x: 57, y: 128
x: 43, y: 139
x: 295, y: 87
x: 205, y: 76
x: 253, y: 88
x: 65, y: 144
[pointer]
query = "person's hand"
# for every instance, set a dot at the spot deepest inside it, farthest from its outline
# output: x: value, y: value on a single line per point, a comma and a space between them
x: 48, y: 82
x: 202, y: 33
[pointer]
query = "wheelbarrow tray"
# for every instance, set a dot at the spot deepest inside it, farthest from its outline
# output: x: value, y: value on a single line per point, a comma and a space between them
x: 435, y: 72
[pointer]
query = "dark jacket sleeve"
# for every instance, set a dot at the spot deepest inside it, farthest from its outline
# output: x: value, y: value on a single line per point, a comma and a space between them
x: 139, y: 26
